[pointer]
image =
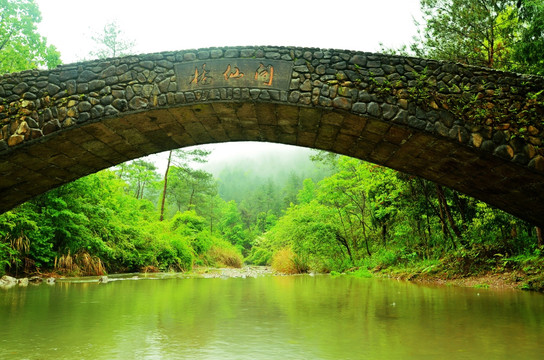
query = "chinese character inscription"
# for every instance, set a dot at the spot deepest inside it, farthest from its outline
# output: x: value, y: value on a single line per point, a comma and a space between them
x: 265, y: 74
x: 201, y: 76
x: 271, y: 74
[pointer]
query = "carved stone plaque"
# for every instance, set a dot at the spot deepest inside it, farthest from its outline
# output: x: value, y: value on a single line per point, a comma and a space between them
x: 220, y: 73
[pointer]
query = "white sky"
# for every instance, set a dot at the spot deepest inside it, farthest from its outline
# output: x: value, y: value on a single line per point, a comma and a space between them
x: 161, y: 25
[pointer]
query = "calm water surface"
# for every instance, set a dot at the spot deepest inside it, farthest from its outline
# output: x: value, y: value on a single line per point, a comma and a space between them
x: 298, y: 317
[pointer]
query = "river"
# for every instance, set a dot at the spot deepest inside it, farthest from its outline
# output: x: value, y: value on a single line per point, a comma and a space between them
x: 268, y: 317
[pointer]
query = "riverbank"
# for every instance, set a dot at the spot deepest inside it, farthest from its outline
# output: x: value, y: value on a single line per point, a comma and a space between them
x: 512, y: 279
x: 243, y: 272
x: 487, y: 281
x: 507, y: 280
x: 478, y: 267
x: 7, y: 282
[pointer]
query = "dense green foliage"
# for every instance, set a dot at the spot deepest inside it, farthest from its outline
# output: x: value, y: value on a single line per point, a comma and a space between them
x: 474, y: 32
x: 501, y: 34
x: 356, y: 215
x: 363, y: 211
x: 98, y: 224
x: 530, y: 47
x: 21, y: 47
x: 111, y: 221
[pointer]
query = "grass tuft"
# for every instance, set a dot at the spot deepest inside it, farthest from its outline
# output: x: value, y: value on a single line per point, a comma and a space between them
x: 285, y: 261
x: 225, y: 255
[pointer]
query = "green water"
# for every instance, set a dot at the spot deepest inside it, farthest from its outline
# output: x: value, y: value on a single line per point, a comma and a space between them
x: 300, y: 317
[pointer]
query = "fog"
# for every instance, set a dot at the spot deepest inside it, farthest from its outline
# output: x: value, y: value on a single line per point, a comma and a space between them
x: 265, y: 158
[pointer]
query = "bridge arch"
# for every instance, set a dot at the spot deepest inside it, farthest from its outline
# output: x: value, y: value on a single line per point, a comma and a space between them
x: 475, y: 130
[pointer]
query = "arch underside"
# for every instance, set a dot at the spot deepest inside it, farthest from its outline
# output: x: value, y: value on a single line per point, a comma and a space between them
x: 64, y: 156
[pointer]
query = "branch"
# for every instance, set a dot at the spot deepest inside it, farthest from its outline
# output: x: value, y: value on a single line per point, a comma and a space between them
x: 7, y: 39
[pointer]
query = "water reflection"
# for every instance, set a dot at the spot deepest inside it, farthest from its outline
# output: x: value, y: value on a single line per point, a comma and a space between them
x: 298, y: 317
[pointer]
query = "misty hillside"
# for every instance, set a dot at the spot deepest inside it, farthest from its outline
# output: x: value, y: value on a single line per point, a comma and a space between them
x: 244, y: 167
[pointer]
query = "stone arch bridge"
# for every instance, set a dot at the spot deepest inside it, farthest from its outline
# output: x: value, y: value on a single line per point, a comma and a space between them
x: 475, y: 130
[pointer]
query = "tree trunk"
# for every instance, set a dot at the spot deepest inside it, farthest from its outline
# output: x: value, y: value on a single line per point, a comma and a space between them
x: 428, y: 205
x: 121, y: 171
x: 429, y: 230
x: 445, y: 229
x: 138, y: 191
x: 540, y: 241
x: 447, y: 212
x: 462, y: 206
x: 165, y: 184
x: 191, y: 199
x: 439, y: 212
x: 384, y: 234
x: 342, y: 240
x: 211, y: 215
x: 367, y: 247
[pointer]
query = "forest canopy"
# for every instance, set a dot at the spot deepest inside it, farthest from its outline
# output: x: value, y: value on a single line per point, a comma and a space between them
x: 21, y: 46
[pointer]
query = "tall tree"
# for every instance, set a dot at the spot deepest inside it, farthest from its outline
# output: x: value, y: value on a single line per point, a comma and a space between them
x: 347, y: 193
x: 111, y: 42
x: 231, y: 227
x: 530, y: 47
x: 139, y: 174
x: 290, y: 189
x: 190, y: 188
x: 474, y: 32
x: 183, y: 159
x: 214, y: 208
x: 307, y: 193
x: 21, y: 47
x: 165, y: 185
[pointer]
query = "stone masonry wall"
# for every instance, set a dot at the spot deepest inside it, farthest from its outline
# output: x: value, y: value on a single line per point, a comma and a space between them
x: 497, y: 112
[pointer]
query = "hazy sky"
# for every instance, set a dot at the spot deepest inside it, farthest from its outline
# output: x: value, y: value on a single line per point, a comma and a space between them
x: 161, y: 25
